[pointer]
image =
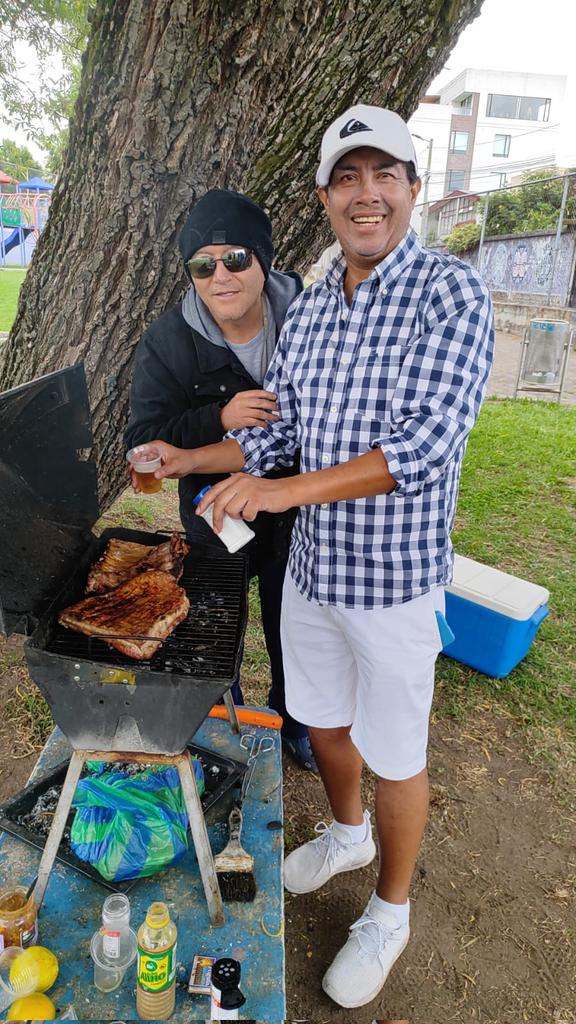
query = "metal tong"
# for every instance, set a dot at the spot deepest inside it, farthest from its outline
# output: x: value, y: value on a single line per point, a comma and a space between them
x: 256, y: 745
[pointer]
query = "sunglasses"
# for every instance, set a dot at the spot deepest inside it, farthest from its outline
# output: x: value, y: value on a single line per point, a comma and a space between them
x: 235, y: 261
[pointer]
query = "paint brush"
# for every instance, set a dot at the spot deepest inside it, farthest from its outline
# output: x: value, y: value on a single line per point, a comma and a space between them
x: 234, y: 866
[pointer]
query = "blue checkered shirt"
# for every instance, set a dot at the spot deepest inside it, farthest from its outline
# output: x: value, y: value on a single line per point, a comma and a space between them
x: 403, y: 369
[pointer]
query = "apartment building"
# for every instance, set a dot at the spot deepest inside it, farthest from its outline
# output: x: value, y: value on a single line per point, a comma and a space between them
x: 482, y: 131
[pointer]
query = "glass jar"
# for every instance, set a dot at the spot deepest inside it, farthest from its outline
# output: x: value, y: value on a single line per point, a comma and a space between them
x: 18, y: 918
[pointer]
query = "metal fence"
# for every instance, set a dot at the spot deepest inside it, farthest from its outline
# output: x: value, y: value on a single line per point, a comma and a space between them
x: 536, y: 263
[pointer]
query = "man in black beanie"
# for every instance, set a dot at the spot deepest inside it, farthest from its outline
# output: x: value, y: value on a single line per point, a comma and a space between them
x: 198, y: 373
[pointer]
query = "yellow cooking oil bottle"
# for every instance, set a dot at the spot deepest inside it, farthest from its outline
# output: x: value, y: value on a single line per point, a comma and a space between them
x: 156, y: 990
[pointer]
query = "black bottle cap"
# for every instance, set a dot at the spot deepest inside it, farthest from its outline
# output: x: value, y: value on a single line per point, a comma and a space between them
x: 226, y: 974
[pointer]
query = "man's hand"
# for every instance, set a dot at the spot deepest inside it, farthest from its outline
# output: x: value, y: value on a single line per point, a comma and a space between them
x: 243, y: 496
x: 249, y: 409
x: 176, y: 462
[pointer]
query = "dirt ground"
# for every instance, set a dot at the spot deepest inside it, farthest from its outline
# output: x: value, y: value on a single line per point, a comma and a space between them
x: 493, y: 935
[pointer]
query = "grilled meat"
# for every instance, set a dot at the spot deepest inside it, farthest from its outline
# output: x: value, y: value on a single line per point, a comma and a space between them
x: 122, y: 560
x: 150, y: 605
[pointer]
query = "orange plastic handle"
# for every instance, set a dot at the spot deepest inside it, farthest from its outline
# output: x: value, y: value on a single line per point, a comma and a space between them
x: 266, y: 719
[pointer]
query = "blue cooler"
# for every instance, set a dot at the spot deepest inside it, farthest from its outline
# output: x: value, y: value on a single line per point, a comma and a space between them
x: 493, y: 615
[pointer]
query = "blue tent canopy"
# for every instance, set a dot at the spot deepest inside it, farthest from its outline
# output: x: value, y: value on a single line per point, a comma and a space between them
x: 34, y: 185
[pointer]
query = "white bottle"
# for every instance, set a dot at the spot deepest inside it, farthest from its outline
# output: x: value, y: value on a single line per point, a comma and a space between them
x: 234, y: 533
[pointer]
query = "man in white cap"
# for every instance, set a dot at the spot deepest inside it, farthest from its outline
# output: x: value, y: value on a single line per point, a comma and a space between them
x: 380, y: 371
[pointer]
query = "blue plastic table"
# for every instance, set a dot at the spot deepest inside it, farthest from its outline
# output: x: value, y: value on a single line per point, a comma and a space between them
x: 253, y: 932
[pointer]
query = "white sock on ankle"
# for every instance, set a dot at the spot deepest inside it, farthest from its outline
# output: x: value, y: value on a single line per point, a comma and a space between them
x: 401, y: 911
x: 357, y: 833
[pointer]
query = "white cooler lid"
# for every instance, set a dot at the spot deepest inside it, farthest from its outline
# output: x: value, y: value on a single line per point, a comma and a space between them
x: 499, y: 591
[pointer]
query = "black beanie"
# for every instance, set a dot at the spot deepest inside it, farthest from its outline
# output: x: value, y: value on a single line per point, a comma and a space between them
x: 222, y: 217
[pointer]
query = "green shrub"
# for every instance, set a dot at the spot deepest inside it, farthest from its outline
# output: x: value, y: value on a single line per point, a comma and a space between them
x: 464, y: 239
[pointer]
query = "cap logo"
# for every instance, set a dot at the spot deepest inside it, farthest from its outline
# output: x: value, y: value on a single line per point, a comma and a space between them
x: 218, y: 237
x: 353, y: 126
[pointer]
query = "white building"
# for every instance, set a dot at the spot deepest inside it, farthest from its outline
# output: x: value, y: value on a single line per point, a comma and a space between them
x: 485, y: 128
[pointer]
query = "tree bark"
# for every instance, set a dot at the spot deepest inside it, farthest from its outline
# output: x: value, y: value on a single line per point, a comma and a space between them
x: 178, y: 96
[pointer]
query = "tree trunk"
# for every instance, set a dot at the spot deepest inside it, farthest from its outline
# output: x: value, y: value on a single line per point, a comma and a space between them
x: 178, y: 97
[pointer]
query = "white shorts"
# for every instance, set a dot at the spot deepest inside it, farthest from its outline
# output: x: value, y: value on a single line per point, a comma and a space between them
x: 373, y: 670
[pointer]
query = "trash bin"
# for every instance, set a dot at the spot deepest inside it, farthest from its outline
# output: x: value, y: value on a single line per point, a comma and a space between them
x: 544, y: 356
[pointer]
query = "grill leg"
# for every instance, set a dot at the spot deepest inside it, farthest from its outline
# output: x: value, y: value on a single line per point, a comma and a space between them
x: 200, y: 838
x: 58, y: 825
x: 232, y: 714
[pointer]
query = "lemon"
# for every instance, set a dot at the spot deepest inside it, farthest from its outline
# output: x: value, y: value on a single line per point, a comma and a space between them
x: 37, y: 963
x: 36, y: 1007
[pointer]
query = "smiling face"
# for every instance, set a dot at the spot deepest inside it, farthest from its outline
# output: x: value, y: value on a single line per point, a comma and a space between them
x: 234, y: 300
x: 369, y: 201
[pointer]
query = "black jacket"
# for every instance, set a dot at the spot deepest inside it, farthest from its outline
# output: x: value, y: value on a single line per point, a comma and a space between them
x: 181, y: 381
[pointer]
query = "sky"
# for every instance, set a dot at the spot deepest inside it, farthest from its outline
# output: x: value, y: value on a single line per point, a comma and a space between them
x: 508, y: 35
x: 516, y: 35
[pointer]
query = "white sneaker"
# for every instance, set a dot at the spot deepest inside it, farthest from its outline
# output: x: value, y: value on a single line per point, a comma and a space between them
x: 332, y: 852
x: 360, y: 969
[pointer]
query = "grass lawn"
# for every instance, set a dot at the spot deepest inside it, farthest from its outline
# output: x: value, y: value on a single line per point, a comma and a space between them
x: 516, y: 511
x: 10, y: 281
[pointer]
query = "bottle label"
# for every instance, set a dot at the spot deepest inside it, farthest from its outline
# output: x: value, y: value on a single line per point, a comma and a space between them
x: 225, y: 1005
x: 29, y: 936
x: 111, y: 944
x: 156, y: 971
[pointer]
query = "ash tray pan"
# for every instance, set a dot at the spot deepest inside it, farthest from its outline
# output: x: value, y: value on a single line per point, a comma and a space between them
x: 216, y: 784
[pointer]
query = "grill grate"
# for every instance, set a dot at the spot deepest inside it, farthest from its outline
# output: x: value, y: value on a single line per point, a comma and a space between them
x: 204, y: 645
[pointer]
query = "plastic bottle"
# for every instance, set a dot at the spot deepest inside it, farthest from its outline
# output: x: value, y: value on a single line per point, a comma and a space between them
x: 113, y: 946
x: 234, y: 533
x: 225, y: 990
x: 156, y: 990
x: 115, y: 925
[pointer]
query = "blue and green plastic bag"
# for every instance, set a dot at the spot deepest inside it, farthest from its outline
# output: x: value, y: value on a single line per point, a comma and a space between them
x: 131, y: 826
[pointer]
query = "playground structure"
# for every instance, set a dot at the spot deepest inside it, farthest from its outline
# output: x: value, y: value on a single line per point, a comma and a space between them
x: 23, y: 215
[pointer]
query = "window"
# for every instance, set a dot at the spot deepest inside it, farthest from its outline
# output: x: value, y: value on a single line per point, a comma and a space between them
x: 524, y: 108
x: 456, y: 181
x: 501, y: 178
x: 501, y: 145
x: 534, y: 108
x: 502, y: 106
x: 459, y: 142
x: 464, y: 104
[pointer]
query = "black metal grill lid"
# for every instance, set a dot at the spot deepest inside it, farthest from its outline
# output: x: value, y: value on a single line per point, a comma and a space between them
x: 48, y: 491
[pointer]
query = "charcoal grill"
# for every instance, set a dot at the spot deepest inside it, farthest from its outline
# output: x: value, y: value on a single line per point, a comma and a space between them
x: 110, y: 707
x: 101, y: 698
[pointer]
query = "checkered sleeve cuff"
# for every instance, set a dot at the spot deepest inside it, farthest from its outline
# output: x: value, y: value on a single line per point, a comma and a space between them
x: 404, y: 465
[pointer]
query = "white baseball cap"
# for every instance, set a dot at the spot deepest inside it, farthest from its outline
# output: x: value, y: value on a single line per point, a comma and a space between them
x: 364, y: 126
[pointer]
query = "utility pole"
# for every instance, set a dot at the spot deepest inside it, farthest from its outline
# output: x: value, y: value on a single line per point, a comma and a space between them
x: 426, y: 178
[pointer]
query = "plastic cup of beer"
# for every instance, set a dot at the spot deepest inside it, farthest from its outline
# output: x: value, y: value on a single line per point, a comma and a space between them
x: 145, y: 465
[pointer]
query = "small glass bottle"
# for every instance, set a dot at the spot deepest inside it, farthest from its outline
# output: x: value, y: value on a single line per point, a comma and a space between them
x: 234, y: 533
x: 225, y: 990
x: 18, y: 918
x: 156, y: 990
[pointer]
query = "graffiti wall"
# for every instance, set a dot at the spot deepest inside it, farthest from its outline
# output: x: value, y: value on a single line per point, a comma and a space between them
x: 523, y: 265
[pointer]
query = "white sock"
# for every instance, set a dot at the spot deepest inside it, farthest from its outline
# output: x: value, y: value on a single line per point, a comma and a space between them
x: 357, y: 833
x: 401, y: 911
